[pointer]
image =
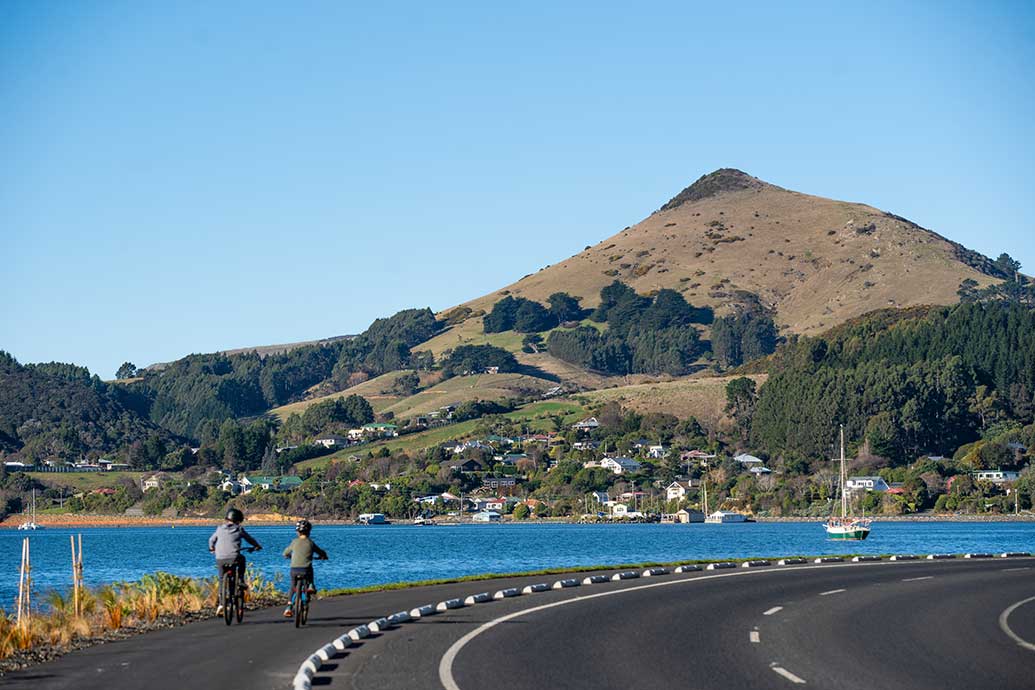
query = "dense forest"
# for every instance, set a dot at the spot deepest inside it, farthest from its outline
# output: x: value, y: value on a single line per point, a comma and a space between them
x: 926, y: 381
x: 195, y: 394
x: 61, y: 410
x: 659, y: 334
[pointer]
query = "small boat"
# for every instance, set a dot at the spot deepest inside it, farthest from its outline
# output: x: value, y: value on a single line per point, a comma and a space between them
x: 31, y: 524
x: 422, y: 521
x: 720, y: 517
x: 372, y: 519
x: 846, y: 527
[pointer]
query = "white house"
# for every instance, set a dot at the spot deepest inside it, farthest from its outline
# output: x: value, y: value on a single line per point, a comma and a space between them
x: 678, y: 489
x: 759, y: 470
x: 657, y: 452
x: 745, y: 459
x: 486, y: 516
x: 874, y: 483
x: 230, y: 486
x: 996, y: 476
x: 330, y: 441
x: 600, y: 496
x: 586, y: 424
x: 620, y: 465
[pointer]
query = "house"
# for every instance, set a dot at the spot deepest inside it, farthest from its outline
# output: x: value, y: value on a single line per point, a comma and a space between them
x: 677, y: 490
x: 554, y: 391
x: 497, y: 504
x: 230, y: 486
x: 486, y: 516
x: 874, y: 483
x: 330, y: 441
x: 281, y: 449
x: 155, y: 481
x: 996, y: 476
x: 657, y: 452
x: 355, y: 435
x: 379, y: 430
x: 620, y: 465
x: 696, y: 456
x: 586, y: 424
x: 269, y: 483
x: 745, y: 459
x: 465, y: 465
x: 499, y: 482
x: 15, y: 466
x: 687, y: 516
x: 620, y: 510
x: 600, y: 496
x: 585, y: 445
x: 511, y: 459
x: 759, y: 470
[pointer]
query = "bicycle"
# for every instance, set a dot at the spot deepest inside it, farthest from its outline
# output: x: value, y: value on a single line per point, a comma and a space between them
x: 231, y: 597
x: 300, y: 598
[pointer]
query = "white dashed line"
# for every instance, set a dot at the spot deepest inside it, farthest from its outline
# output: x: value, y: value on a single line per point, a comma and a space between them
x: 914, y: 579
x: 754, y: 637
x: 832, y: 591
x: 1010, y: 570
x: 775, y: 609
x: 788, y: 675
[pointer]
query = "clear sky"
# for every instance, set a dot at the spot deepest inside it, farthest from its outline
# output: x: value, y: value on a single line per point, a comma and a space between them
x: 193, y: 176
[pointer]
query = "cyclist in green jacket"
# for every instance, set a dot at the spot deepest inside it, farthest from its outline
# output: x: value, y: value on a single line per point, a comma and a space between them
x: 301, y: 551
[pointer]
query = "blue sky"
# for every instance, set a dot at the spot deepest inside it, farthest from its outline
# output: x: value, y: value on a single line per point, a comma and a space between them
x: 187, y: 177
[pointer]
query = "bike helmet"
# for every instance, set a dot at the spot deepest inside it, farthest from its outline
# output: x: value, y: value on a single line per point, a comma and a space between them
x: 303, y: 526
x: 234, y: 515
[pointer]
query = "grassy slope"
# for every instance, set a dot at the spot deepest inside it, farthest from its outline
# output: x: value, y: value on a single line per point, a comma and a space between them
x: 463, y: 388
x: 536, y: 416
x: 703, y: 398
x: 800, y: 253
x: 86, y: 481
x: 377, y: 391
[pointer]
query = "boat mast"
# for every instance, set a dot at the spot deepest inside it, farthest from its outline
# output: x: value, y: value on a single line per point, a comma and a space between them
x: 844, y: 492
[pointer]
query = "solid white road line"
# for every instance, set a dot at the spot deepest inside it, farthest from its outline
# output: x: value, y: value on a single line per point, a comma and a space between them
x: 832, y: 591
x: 788, y: 675
x: 754, y: 636
x: 1005, y: 625
x: 775, y: 609
x: 1010, y: 570
x: 914, y: 579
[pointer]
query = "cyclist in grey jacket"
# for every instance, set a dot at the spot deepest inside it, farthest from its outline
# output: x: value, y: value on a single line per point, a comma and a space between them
x: 225, y: 543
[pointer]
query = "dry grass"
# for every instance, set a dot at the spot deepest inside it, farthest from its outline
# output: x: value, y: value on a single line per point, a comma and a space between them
x: 702, y: 398
x: 801, y: 254
x: 464, y: 388
x: 119, y: 606
x: 377, y: 391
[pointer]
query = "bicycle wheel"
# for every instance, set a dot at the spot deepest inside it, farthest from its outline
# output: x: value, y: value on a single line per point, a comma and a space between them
x: 226, y: 595
x: 297, y: 606
x: 239, y: 604
x: 305, y: 609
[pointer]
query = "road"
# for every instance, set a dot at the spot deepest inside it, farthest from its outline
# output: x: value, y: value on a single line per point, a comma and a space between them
x: 941, y: 624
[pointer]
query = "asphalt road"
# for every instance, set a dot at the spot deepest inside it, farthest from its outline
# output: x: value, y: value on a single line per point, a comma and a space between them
x: 942, y: 624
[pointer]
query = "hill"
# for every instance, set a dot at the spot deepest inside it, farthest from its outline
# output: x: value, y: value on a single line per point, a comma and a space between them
x: 61, y: 411
x: 730, y: 238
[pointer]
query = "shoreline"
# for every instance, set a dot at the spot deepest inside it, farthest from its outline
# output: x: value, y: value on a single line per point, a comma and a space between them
x: 72, y: 520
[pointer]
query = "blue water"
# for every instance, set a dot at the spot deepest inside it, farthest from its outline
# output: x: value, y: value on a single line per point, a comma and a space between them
x: 371, y: 555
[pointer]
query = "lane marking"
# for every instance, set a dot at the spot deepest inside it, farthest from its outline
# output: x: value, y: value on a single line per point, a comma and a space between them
x: 754, y: 636
x: 1005, y: 625
x: 775, y: 609
x: 445, y: 666
x: 788, y: 675
x: 833, y: 591
x: 1010, y: 570
x: 914, y: 579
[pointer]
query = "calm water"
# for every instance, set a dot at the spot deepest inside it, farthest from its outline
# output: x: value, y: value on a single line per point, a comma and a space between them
x: 371, y: 555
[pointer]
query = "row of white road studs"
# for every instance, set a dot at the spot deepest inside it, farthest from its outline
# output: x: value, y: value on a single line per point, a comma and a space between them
x: 303, y: 679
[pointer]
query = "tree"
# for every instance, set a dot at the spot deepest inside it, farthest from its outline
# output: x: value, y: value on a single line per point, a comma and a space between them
x: 564, y: 307
x: 740, y: 400
x: 128, y: 370
x: 531, y: 343
x: 1008, y: 265
x: 520, y: 511
x: 407, y: 384
x: 532, y: 317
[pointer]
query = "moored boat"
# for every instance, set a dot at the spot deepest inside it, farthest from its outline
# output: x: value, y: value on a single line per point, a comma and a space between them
x: 846, y: 527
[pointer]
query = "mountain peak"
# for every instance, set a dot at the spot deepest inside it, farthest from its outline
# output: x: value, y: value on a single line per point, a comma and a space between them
x: 714, y: 183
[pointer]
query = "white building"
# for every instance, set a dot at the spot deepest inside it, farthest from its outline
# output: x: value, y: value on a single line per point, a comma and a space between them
x: 874, y: 483
x: 620, y: 465
x: 745, y: 459
x: 996, y: 476
x: 677, y: 490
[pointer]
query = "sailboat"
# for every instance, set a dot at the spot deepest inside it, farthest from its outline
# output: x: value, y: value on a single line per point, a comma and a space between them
x: 846, y: 527
x: 31, y: 524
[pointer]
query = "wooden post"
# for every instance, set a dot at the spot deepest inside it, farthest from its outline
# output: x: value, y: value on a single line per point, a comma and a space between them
x: 21, y: 583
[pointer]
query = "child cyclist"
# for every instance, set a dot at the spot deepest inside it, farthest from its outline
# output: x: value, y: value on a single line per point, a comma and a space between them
x: 301, y: 551
x: 225, y: 543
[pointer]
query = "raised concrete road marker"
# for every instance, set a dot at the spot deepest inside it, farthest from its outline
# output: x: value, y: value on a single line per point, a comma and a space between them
x: 688, y: 569
x: 537, y: 587
x: 595, y: 579
x: 449, y: 604
x: 564, y: 584
x: 421, y: 611
x: 479, y: 598
x: 507, y: 593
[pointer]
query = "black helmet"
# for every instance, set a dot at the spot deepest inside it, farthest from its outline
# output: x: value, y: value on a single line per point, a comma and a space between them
x: 303, y: 526
x: 234, y: 515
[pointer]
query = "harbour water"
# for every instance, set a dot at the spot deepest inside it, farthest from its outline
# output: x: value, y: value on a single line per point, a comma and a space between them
x: 373, y: 555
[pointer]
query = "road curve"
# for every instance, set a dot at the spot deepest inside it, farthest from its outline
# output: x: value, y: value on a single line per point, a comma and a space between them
x: 889, y: 625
